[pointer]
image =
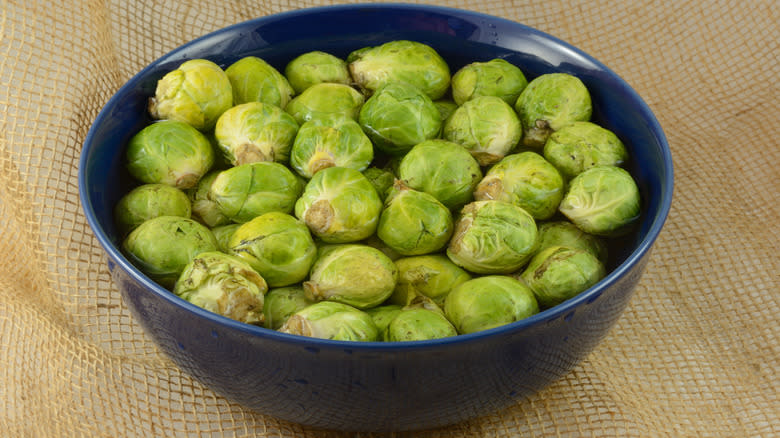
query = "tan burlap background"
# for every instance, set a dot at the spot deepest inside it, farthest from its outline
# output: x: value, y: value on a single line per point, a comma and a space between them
x: 695, y: 354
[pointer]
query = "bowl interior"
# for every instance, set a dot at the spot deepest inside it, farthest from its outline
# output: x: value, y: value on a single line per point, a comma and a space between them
x: 459, y: 36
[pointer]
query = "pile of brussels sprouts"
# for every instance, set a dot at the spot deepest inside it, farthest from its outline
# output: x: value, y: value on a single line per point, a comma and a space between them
x: 373, y: 198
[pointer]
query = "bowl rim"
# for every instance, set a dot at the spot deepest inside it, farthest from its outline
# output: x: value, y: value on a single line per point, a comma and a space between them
x: 540, y: 318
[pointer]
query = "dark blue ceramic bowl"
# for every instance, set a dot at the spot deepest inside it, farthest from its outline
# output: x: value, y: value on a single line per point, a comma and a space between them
x: 377, y: 386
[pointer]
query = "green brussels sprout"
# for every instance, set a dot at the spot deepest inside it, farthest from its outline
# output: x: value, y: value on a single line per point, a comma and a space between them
x: 223, y: 233
x: 487, y: 302
x: 398, y: 116
x: 254, y: 80
x: 323, y: 99
x: 496, y: 77
x: 169, y: 152
x: 433, y: 276
x: 487, y: 126
x: 316, y: 67
x: 493, y: 237
x: 328, y: 141
x: 281, y: 303
x: 550, y: 102
x: 339, y: 205
x: 255, y: 131
x: 149, y: 201
x: 565, y: 233
x: 161, y: 247
x: 418, y: 324
x: 443, y: 169
x: 525, y: 179
x: 196, y: 93
x: 558, y: 273
x: 276, y: 245
x: 249, y: 190
x: 446, y: 108
x: 382, y: 315
x: 582, y: 145
x: 414, y: 222
x: 354, y: 274
x: 602, y: 200
x: 332, y: 320
x: 204, y: 210
x: 381, y: 179
x: 400, y: 61
x: 225, y: 285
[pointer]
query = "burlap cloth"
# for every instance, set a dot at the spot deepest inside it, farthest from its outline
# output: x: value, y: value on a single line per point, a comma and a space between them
x: 695, y: 354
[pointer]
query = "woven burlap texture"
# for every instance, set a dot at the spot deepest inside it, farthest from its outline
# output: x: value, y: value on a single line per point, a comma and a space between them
x: 695, y: 354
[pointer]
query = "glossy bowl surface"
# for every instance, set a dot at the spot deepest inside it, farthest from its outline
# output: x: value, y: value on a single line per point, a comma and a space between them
x: 378, y: 386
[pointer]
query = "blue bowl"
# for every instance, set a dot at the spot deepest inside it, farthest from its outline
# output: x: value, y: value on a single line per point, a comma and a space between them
x: 380, y: 386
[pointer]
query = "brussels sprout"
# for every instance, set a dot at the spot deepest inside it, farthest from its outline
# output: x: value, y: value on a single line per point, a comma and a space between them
x: 169, y: 152
x: 315, y: 67
x: 225, y: 285
x: 550, y: 102
x: 149, y: 201
x: 330, y: 140
x: 582, y: 145
x: 382, y: 315
x: 525, y: 179
x: 353, y: 274
x: 281, y: 303
x: 443, y: 169
x: 249, y: 190
x: 255, y: 131
x: 331, y: 320
x: 276, y: 245
x: 339, y: 205
x: 446, y: 108
x: 161, y: 247
x: 487, y: 126
x: 487, y: 302
x: 433, y: 276
x: 254, y: 80
x: 325, y: 98
x: 381, y: 179
x: 493, y: 237
x: 398, y: 116
x: 496, y: 77
x: 223, y: 233
x: 196, y: 93
x: 418, y: 324
x: 602, y: 200
x: 558, y: 273
x: 564, y: 233
x: 414, y: 222
x: 401, y: 61
x: 204, y: 210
